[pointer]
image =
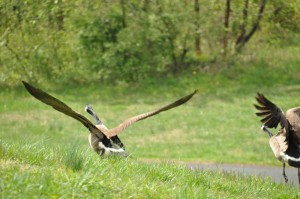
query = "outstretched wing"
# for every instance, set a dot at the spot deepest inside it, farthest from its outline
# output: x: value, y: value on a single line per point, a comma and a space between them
x: 132, y: 120
x: 61, y: 107
x: 270, y: 113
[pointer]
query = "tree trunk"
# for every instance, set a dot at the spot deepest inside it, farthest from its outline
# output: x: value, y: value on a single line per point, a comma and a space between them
x: 244, y: 22
x: 197, y: 31
x: 242, y: 41
x: 123, y: 13
x: 226, y: 27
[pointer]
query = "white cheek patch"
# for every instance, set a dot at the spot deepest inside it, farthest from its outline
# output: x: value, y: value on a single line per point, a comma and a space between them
x: 286, y: 157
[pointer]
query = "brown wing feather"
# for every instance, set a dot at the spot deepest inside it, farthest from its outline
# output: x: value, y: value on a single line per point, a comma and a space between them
x: 61, y: 107
x: 271, y: 114
x: 132, y: 120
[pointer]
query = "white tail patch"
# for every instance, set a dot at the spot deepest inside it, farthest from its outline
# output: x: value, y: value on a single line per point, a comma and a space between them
x: 108, y: 150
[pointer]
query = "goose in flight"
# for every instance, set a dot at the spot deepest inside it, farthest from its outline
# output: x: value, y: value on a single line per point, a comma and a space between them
x: 103, y: 140
x: 286, y: 143
x: 94, y: 140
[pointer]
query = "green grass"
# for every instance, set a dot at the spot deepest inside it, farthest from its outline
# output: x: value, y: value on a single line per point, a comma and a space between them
x: 43, y: 153
x: 35, y: 171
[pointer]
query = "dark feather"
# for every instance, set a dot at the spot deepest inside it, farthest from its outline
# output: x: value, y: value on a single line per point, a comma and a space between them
x: 261, y: 114
x: 261, y: 108
x: 272, y: 115
x: 63, y: 108
x: 137, y: 118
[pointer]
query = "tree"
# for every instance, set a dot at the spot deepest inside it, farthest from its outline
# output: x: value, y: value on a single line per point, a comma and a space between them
x: 244, y: 36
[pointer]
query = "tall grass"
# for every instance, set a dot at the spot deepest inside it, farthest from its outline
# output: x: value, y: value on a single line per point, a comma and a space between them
x: 123, y: 178
x: 73, y: 158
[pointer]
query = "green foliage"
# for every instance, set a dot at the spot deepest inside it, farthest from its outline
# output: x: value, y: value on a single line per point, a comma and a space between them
x: 144, y: 45
x: 73, y: 42
x: 285, y: 16
x: 283, y: 23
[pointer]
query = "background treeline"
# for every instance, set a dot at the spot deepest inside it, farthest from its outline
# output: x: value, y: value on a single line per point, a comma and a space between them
x: 127, y: 41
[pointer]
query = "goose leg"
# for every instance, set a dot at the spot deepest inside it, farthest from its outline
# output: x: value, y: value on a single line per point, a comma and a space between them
x: 299, y: 175
x: 283, y: 173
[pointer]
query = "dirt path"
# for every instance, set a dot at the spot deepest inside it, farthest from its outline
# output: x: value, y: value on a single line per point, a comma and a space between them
x: 275, y: 173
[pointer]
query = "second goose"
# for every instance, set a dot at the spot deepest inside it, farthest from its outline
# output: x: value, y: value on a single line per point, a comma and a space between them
x: 286, y: 143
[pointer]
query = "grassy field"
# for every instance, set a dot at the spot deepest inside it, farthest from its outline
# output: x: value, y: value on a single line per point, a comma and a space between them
x: 52, y: 173
x: 44, y: 153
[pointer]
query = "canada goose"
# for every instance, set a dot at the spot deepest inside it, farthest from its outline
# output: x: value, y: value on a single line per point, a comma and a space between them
x: 103, y: 140
x: 94, y: 140
x: 116, y: 142
x: 286, y: 144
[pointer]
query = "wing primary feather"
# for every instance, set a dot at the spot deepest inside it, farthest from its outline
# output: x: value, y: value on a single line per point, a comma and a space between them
x: 62, y: 107
x: 270, y: 113
x: 132, y: 120
x: 266, y: 119
x: 261, y: 114
x: 261, y: 108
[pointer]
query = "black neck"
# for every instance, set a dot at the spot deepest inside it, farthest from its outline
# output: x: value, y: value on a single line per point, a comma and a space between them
x: 265, y: 129
x: 91, y: 111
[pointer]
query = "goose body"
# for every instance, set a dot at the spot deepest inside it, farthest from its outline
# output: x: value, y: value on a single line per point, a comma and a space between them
x: 286, y: 143
x: 116, y: 147
x: 104, y: 141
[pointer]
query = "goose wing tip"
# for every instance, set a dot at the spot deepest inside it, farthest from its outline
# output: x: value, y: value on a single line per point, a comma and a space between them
x: 28, y: 87
x: 193, y: 93
x: 24, y: 83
